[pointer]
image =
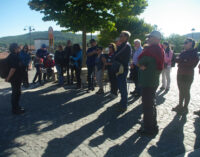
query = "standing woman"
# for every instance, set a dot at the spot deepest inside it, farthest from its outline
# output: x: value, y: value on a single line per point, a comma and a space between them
x: 187, y: 61
x: 15, y: 78
x: 167, y: 67
x: 112, y: 76
x: 77, y: 58
x: 59, y: 62
x: 25, y: 59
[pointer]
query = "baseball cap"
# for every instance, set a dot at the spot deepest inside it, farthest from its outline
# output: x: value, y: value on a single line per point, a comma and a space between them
x: 156, y: 34
x: 92, y: 40
x: 44, y: 46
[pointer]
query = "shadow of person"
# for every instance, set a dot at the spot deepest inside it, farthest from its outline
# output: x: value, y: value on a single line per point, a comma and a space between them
x: 64, y: 146
x: 117, y: 127
x: 171, y: 139
x: 197, y: 140
x: 160, y: 97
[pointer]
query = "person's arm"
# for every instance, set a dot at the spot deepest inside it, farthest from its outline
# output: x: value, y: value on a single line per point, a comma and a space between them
x: 91, y: 53
x: 79, y: 56
x: 10, y: 74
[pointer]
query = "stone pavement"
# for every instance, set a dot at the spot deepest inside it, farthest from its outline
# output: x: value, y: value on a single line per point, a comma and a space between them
x: 62, y: 121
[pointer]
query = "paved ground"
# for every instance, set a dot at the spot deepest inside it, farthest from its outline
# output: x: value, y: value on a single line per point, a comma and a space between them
x: 62, y: 121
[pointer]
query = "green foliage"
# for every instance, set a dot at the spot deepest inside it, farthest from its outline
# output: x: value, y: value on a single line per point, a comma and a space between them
x: 176, y: 41
x: 87, y: 15
x: 137, y: 27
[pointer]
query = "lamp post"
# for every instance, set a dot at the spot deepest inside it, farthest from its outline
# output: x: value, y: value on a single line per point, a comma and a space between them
x: 193, y: 29
x: 30, y: 29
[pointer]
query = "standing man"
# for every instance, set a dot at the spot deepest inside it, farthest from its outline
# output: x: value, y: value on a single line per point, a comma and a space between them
x: 91, y: 57
x: 135, y: 68
x: 122, y: 55
x: 151, y: 63
x: 67, y: 55
x: 15, y: 78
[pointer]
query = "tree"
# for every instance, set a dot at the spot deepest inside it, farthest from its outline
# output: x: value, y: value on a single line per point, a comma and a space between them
x: 176, y: 41
x: 86, y: 15
x: 137, y: 27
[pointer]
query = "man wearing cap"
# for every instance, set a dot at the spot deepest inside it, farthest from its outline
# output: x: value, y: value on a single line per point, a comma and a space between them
x: 150, y: 62
x: 91, y: 57
x: 42, y: 52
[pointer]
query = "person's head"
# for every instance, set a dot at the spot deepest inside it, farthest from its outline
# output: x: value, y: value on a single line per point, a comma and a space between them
x: 60, y: 48
x: 43, y: 46
x: 99, y: 50
x: 25, y: 48
x: 189, y: 44
x: 112, y: 47
x: 69, y: 43
x: 154, y: 38
x: 14, y: 48
x: 76, y: 48
x: 124, y: 36
x: 137, y: 43
x: 93, y: 42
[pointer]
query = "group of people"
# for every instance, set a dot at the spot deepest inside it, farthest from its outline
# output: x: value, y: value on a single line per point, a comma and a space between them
x: 147, y: 64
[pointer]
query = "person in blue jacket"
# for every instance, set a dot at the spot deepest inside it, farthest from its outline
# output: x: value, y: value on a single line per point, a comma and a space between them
x: 77, y: 61
x: 25, y: 59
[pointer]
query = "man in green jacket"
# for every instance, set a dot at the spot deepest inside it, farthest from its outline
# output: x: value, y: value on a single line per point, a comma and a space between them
x: 151, y: 64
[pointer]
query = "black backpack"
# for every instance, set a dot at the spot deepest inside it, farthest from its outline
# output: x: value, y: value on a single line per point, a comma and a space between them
x: 4, y: 68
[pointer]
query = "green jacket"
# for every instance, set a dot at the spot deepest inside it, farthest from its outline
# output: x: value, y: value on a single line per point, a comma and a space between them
x: 150, y: 76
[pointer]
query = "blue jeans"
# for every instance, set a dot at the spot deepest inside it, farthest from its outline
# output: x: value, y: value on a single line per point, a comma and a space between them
x: 60, y: 74
x: 122, y: 85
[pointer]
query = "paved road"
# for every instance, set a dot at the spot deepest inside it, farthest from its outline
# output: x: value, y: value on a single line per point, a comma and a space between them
x: 62, y: 121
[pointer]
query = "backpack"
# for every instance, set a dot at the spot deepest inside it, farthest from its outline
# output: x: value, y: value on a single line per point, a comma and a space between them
x: 4, y: 68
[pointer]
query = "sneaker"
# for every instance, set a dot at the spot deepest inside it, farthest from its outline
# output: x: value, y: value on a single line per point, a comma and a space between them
x: 162, y: 88
x: 178, y: 108
x: 133, y: 92
x: 144, y: 132
x: 100, y: 91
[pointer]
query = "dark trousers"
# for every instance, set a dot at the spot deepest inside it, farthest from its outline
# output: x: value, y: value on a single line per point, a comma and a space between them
x: 184, y: 84
x: 113, y: 81
x: 72, y: 69
x: 48, y: 74
x: 67, y: 71
x: 122, y: 85
x: 25, y: 75
x: 78, y: 76
x: 90, y: 77
x: 38, y: 75
x: 135, y: 79
x: 149, y: 109
x: 16, y: 93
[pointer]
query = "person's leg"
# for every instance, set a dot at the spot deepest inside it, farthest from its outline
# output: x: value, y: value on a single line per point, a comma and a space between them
x: 89, y: 77
x: 167, y: 73
x: 121, y: 82
x: 99, y: 80
x: 181, y: 87
x: 78, y: 77
x: 59, y: 74
x: 68, y: 76
x: 15, y: 96
x: 149, y: 110
x: 163, y: 79
x: 188, y: 83
x: 72, y: 75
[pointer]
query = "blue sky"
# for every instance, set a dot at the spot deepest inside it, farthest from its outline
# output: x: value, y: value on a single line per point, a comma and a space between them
x: 171, y: 16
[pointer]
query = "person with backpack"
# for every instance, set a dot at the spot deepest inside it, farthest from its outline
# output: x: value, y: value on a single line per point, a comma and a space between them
x: 15, y: 77
x: 167, y: 67
x: 59, y: 62
x: 25, y: 58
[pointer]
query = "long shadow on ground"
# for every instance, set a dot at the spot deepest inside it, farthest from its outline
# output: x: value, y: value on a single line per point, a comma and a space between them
x: 44, y: 106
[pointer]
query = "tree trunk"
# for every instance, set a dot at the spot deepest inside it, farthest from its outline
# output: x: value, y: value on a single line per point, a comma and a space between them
x: 84, y: 46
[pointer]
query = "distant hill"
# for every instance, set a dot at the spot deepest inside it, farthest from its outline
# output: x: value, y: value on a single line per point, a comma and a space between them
x: 195, y: 36
x: 59, y: 37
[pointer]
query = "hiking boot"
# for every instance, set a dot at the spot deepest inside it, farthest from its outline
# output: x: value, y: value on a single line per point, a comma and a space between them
x: 178, y: 108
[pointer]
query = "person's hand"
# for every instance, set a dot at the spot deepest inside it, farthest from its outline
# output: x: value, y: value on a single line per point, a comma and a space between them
x: 142, y: 67
x: 132, y: 66
x: 6, y: 79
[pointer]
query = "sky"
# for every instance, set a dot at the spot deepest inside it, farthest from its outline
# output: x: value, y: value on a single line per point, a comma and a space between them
x: 171, y: 16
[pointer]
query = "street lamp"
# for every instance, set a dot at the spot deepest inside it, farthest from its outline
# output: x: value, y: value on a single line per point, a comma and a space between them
x: 30, y: 29
x: 193, y: 29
